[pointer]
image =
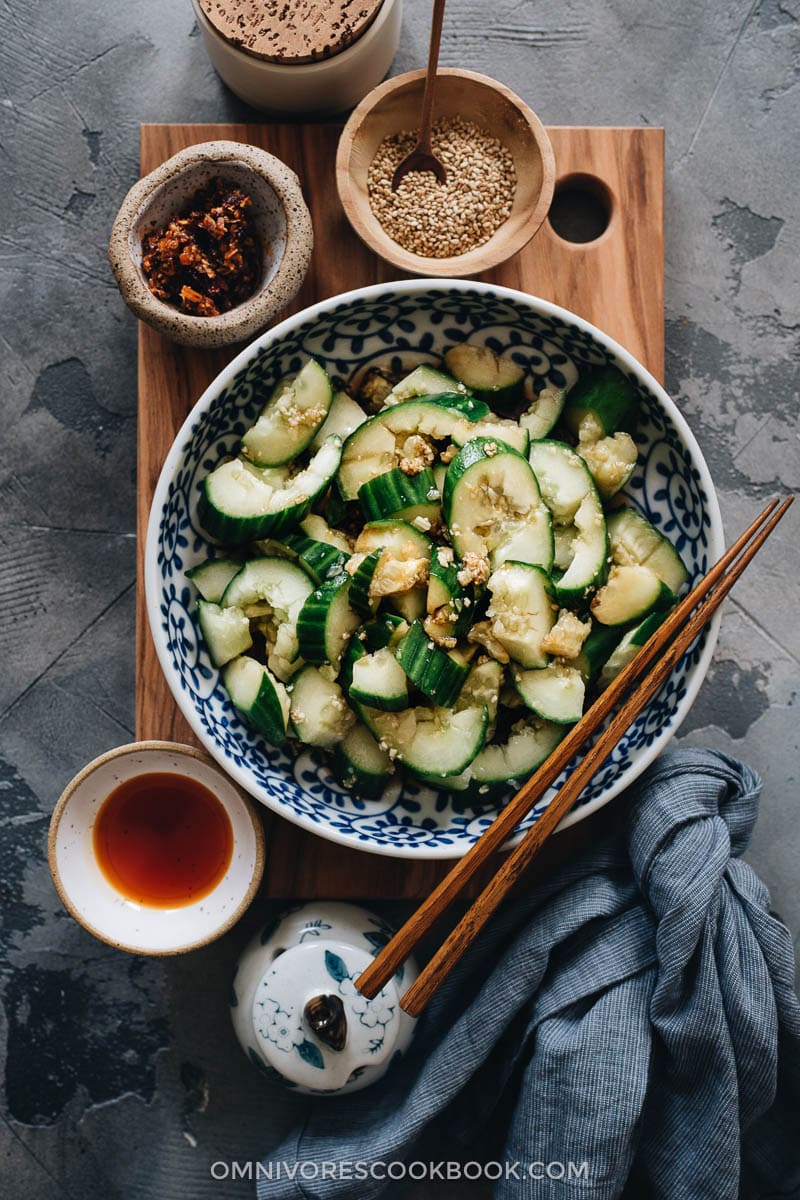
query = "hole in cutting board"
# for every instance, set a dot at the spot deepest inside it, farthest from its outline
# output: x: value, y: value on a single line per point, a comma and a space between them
x: 581, y: 208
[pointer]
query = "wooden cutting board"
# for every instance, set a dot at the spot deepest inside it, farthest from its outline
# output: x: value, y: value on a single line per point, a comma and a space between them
x: 616, y: 282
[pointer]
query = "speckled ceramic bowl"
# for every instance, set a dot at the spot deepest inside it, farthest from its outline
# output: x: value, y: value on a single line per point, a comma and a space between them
x: 100, y: 908
x: 399, y: 324
x: 281, y: 217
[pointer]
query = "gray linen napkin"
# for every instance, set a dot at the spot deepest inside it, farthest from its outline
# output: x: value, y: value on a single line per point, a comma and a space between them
x: 629, y: 1028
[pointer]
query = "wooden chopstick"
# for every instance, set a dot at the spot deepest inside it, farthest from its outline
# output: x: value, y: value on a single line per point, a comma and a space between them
x: 402, y: 944
x: 510, y: 870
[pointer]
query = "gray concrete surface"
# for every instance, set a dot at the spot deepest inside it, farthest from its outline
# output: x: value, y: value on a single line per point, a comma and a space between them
x: 122, y: 1077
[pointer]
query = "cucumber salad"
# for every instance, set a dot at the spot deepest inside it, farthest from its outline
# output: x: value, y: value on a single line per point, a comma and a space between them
x: 432, y: 573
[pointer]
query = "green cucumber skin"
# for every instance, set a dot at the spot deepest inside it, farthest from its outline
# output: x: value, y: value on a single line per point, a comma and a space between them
x: 265, y: 713
x: 361, y: 783
x: 313, y: 618
x: 421, y: 383
x: 381, y: 703
x: 336, y: 508
x: 607, y: 393
x: 392, y: 494
x: 470, y: 453
x: 462, y: 406
x: 359, y: 588
x: 598, y: 647
x: 460, y: 615
x: 501, y: 398
x: 379, y: 633
x: 319, y: 559
x: 300, y: 443
x: 266, y: 716
x: 539, y: 425
x: 237, y: 531
x: 355, y: 650
x: 394, y: 526
x: 431, y: 670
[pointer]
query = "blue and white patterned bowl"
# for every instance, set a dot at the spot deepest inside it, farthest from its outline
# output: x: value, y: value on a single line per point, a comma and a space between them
x: 416, y: 320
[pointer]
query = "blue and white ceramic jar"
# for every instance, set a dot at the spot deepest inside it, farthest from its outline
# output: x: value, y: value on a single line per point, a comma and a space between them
x: 295, y: 1007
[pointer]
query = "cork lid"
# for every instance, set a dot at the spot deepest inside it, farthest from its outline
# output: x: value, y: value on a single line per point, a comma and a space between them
x: 291, y: 31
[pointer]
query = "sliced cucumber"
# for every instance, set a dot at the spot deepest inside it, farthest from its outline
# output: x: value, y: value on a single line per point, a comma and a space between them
x: 326, y: 622
x: 319, y: 713
x: 399, y: 538
x: 443, y: 585
x: 433, y: 742
x: 521, y: 611
x: 629, y: 594
x: 563, y: 477
x: 354, y: 651
x: 494, y: 508
x: 316, y: 527
x: 294, y: 412
x: 267, y: 586
x: 601, y: 402
x: 433, y: 671
x: 213, y: 576
x: 569, y: 492
x: 344, y: 416
x: 629, y: 647
x: 405, y: 497
x: 240, y: 504
x: 564, y: 547
x: 379, y: 680
x: 508, y: 432
x: 272, y: 590
x: 596, y: 649
x: 403, y: 566
x: 377, y: 446
x: 611, y: 461
x: 259, y: 696
x: 633, y: 540
x: 318, y: 559
x: 507, y: 763
x: 543, y: 413
x: 410, y: 605
x: 555, y: 692
x: 226, y: 631
x: 482, y: 687
x: 361, y: 765
x: 589, y: 563
x: 360, y: 599
x: 496, y: 380
x: 422, y: 381
x: 386, y: 630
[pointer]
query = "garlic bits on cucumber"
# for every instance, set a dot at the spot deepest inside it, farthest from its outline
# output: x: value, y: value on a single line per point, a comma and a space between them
x: 430, y: 572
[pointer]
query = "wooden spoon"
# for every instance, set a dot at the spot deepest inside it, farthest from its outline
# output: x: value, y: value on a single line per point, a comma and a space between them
x: 422, y: 157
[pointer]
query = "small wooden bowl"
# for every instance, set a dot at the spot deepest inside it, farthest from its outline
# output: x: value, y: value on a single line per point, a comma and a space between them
x: 397, y: 104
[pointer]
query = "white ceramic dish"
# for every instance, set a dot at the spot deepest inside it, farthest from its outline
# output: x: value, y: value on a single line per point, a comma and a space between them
x: 110, y: 916
x: 409, y: 321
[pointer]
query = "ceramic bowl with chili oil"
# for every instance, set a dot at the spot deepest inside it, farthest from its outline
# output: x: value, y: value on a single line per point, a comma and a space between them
x: 212, y: 244
x: 154, y: 850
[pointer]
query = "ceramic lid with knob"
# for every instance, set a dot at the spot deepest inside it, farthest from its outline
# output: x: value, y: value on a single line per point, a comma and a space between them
x: 307, y: 31
x: 297, y: 1011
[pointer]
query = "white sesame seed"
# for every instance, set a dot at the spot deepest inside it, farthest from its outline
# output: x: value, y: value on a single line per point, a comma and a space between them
x: 443, y: 220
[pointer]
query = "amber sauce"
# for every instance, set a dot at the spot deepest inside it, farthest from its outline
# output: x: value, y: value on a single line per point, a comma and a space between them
x: 163, y: 840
